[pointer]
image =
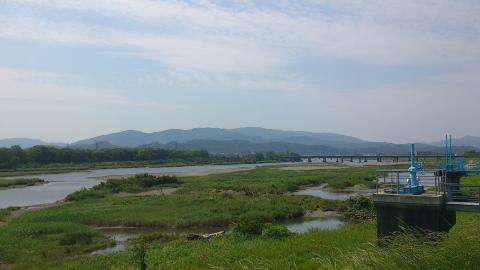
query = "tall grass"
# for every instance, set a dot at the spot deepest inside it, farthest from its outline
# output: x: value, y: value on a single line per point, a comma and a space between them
x: 459, y: 249
x: 275, y: 181
x: 351, y: 247
x: 30, y: 245
x: 6, y: 212
x: 5, y: 183
x: 178, y: 211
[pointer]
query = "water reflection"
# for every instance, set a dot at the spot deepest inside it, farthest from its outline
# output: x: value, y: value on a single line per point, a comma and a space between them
x: 321, y: 223
x: 328, y: 195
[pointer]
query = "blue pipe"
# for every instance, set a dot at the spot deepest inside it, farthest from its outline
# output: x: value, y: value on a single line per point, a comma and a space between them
x: 446, y: 152
x: 450, y: 153
x: 412, y: 169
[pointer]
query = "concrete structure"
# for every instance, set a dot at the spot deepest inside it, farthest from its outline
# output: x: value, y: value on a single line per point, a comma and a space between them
x: 423, y: 212
x: 364, y: 158
x: 434, y: 210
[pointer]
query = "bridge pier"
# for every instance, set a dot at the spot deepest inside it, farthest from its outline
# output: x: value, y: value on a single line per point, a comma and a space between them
x: 365, y: 159
x: 351, y: 159
x: 427, y: 212
x: 309, y: 160
x: 341, y: 159
x: 324, y: 159
x: 337, y: 160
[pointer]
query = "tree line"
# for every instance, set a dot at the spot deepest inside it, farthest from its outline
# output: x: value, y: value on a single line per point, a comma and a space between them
x: 15, y: 156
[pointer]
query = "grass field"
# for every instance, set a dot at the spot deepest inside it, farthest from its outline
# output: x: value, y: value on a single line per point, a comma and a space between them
x: 6, y: 213
x: 176, y: 211
x: 60, y: 237
x: 352, y: 247
x: 275, y: 181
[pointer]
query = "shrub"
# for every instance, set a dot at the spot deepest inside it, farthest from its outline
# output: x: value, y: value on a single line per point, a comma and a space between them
x: 248, y: 227
x: 276, y: 232
x: 134, y: 184
x: 85, y: 194
x: 74, y: 238
x: 360, y: 207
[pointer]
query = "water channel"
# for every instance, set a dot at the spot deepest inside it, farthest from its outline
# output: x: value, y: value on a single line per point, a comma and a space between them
x: 62, y: 184
x: 122, y: 235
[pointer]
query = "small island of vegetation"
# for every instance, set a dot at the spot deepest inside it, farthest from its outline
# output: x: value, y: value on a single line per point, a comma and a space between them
x: 20, y: 182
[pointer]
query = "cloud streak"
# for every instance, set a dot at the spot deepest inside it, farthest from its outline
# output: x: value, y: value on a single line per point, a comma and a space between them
x: 289, y: 54
x: 383, y: 32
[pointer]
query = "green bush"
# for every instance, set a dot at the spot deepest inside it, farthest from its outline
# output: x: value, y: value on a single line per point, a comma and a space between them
x: 360, y: 207
x: 85, y: 194
x: 248, y: 227
x: 83, y: 238
x: 276, y: 232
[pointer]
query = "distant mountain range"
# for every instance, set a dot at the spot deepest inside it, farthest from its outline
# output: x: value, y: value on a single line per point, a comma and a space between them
x: 251, y: 139
x: 27, y: 142
x: 467, y: 140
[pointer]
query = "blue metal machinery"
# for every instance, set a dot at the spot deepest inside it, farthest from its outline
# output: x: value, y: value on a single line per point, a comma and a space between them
x: 449, y: 164
x: 413, y: 186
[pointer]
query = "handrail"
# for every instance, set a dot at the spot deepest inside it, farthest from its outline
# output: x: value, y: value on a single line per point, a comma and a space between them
x: 435, y: 181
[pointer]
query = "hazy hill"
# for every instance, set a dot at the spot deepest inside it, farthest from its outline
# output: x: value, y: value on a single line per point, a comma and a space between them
x: 250, y: 139
x: 242, y: 147
x: 132, y: 138
x: 463, y: 141
x: 26, y: 142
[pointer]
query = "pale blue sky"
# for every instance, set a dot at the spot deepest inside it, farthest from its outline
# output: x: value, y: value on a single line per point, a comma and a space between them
x: 75, y: 69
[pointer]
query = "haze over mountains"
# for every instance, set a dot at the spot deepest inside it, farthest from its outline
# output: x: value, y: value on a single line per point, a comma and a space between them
x: 251, y: 139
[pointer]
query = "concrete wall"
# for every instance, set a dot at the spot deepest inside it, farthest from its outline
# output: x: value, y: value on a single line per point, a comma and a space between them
x: 397, y: 211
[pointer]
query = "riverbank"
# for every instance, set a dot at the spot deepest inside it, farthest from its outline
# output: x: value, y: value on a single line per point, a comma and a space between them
x: 60, y: 185
x: 257, y: 203
x: 66, y: 168
x: 20, y: 182
x: 65, y: 230
x: 181, y: 174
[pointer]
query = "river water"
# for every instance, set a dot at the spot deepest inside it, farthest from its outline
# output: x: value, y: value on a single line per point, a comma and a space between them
x: 122, y: 235
x: 60, y: 185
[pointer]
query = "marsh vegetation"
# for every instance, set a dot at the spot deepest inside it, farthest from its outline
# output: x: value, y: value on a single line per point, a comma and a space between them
x: 252, y: 204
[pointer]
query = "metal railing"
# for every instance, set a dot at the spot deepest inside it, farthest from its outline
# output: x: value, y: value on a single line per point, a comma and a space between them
x: 458, y: 192
x: 393, y: 180
x: 434, y: 181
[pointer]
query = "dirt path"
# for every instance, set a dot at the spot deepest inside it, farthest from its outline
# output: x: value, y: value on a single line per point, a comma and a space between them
x: 182, y: 173
x: 155, y: 192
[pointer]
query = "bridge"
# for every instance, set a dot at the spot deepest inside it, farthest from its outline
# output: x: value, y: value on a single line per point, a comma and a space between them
x: 365, y: 158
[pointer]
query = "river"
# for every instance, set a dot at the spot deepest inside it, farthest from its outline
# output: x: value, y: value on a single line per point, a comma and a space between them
x: 62, y: 184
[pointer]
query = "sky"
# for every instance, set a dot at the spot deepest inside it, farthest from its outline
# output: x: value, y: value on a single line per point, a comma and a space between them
x: 380, y: 70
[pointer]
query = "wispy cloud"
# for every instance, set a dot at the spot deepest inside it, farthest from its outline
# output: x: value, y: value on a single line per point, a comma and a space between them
x: 385, y: 32
x: 286, y: 48
x: 19, y: 86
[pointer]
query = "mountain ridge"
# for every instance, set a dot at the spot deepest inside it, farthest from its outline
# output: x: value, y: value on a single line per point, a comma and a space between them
x: 249, y: 139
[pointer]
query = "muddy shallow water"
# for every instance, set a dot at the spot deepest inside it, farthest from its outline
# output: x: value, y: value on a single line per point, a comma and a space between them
x: 324, y: 194
x: 122, y: 235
